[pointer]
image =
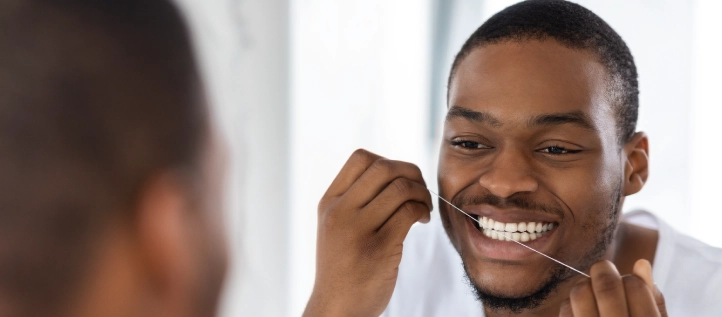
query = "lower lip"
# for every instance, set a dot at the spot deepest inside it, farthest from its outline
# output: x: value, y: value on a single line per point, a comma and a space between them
x: 504, y: 250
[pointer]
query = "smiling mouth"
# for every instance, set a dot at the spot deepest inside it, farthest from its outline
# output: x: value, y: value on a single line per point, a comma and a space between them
x: 517, y: 231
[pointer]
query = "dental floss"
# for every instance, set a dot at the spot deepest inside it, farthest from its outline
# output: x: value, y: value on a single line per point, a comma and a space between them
x: 506, y: 235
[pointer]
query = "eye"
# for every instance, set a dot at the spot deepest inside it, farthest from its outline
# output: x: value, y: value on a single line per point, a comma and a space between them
x: 469, y: 144
x: 558, y: 150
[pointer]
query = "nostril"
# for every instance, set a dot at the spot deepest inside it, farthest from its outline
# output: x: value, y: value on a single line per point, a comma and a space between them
x: 504, y: 183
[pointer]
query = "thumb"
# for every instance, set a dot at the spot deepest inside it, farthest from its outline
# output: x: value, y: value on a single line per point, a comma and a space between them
x: 643, y: 269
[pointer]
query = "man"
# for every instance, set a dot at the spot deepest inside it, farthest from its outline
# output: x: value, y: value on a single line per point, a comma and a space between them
x: 539, y: 146
x: 108, y: 164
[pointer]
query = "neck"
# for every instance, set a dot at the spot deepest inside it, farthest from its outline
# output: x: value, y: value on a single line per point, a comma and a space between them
x: 631, y: 243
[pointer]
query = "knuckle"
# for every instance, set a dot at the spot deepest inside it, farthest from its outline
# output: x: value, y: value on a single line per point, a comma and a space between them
x: 361, y: 153
x: 403, y: 186
x: 409, y: 208
x: 414, y: 211
x: 606, y: 282
x: 411, y: 166
x: 383, y: 166
x: 416, y: 169
x: 322, y: 204
x: 364, y: 157
x: 633, y: 283
x: 330, y: 220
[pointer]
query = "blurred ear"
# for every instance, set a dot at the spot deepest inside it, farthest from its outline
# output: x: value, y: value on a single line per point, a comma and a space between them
x: 162, y: 237
x: 636, y: 166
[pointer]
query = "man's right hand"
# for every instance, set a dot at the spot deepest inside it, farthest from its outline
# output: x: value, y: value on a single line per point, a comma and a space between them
x: 363, y: 220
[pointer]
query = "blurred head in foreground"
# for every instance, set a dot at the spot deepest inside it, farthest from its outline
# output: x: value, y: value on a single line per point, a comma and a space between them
x: 109, y: 172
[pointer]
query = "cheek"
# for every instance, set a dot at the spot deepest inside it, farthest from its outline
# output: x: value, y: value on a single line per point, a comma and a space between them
x: 454, y: 175
x: 586, y: 186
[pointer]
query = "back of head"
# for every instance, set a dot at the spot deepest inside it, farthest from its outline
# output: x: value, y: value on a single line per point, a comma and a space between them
x: 575, y: 27
x: 95, y: 97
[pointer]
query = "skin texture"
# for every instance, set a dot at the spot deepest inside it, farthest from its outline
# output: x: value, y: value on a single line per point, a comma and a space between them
x: 504, y: 142
x: 578, y: 172
x: 363, y: 220
x: 167, y: 260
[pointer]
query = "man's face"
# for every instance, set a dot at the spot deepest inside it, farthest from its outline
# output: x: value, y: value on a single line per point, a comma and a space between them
x: 529, y: 138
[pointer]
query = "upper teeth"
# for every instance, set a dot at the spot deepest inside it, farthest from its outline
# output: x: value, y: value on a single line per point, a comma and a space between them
x: 522, y: 231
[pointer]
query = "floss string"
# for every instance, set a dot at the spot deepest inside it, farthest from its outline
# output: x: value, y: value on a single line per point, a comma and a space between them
x: 506, y: 235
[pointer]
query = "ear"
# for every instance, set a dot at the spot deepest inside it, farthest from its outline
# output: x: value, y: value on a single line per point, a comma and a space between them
x: 636, y: 165
x: 162, y: 237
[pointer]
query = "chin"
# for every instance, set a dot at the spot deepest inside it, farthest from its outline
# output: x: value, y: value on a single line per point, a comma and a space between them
x: 507, y: 278
x: 513, y: 289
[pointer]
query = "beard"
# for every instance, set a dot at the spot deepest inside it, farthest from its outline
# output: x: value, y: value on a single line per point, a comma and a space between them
x: 516, y: 303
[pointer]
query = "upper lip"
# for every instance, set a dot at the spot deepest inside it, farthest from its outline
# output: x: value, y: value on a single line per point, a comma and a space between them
x: 510, y: 215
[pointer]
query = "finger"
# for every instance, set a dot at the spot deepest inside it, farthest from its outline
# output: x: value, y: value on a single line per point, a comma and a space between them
x: 354, y: 167
x: 565, y: 310
x: 582, y: 299
x: 643, y: 269
x: 639, y: 297
x: 399, y: 191
x: 379, y: 175
x: 608, y: 289
x: 661, y: 303
x: 398, y: 225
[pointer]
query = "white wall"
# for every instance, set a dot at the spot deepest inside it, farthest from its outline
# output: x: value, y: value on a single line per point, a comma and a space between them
x: 243, y: 51
x: 359, y: 79
x: 706, y: 130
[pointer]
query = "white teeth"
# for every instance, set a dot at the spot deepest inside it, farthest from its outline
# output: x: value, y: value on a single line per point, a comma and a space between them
x: 524, y: 236
x: 499, y: 226
x: 520, y: 232
x: 510, y: 227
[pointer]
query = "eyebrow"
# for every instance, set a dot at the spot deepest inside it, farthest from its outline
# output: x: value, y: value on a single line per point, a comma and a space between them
x: 481, y: 117
x: 577, y: 118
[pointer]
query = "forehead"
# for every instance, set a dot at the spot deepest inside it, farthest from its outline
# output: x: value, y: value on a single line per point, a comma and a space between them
x: 513, y: 81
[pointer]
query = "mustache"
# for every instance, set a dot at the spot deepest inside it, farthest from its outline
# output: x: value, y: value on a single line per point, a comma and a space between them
x: 515, y: 201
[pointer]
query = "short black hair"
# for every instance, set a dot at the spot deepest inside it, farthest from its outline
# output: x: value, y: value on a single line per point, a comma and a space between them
x: 96, y: 98
x: 575, y: 27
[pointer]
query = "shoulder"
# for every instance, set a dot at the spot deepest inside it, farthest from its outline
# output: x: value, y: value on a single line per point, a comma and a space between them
x: 688, y: 272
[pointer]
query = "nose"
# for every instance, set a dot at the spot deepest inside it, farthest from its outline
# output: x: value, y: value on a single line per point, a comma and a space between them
x: 509, y: 174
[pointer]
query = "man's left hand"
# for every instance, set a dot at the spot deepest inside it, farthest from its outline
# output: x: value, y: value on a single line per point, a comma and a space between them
x: 609, y: 294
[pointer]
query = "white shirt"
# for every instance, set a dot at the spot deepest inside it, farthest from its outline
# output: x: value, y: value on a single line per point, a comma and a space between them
x: 432, y: 282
